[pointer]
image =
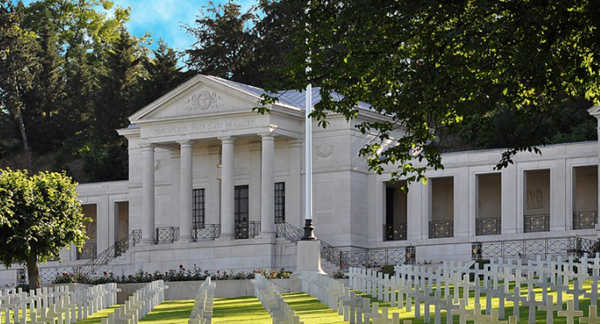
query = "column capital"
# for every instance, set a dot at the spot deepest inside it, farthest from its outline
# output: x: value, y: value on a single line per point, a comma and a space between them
x: 148, y: 146
x: 186, y: 142
x: 227, y: 140
x: 267, y: 135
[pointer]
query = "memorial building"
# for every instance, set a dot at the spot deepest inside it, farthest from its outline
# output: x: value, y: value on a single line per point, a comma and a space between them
x: 212, y: 183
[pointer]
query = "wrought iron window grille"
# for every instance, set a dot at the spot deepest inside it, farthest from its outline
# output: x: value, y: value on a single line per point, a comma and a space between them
x: 440, y: 229
x: 488, y: 226
x: 207, y: 232
x: 167, y: 234
x: 245, y: 230
x: 198, y: 208
x: 395, y: 232
x: 584, y: 220
x: 88, y: 251
x: 536, y: 223
x: 279, y: 199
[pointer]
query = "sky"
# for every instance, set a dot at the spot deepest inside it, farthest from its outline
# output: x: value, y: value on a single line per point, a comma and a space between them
x: 164, y: 18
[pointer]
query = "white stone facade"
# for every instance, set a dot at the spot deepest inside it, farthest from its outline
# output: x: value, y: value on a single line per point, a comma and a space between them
x: 201, y: 157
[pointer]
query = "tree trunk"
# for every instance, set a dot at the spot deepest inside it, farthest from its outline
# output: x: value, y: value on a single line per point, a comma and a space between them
x: 22, y: 127
x: 25, y: 142
x: 33, y: 273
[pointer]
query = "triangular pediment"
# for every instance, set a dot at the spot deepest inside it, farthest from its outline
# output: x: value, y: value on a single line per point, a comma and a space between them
x: 201, y: 95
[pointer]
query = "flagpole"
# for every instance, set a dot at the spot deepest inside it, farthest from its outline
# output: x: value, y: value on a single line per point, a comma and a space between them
x: 308, y: 235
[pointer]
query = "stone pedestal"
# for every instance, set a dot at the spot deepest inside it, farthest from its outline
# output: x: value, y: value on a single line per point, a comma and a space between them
x: 308, y: 257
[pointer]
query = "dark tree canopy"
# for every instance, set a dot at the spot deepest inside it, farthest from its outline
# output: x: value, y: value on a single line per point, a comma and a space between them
x: 79, y: 74
x: 224, y: 42
x: 451, y: 67
x: 44, y: 216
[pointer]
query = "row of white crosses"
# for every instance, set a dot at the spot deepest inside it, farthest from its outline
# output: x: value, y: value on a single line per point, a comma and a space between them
x: 139, y: 304
x: 413, y: 286
x: 55, y: 304
x: 202, y: 311
x: 354, y: 308
x: 274, y: 303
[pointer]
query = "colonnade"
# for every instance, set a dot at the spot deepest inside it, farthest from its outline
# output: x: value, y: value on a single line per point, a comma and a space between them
x: 185, y: 187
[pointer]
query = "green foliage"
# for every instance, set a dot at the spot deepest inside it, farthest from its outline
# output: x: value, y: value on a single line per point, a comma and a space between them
x: 181, y: 274
x: 224, y: 42
x: 437, y: 67
x: 105, y: 161
x: 249, y: 47
x: 42, y: 215
x: 90, y: 74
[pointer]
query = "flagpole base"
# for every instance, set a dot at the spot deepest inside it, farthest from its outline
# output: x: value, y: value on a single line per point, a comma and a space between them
x: 308, y: 235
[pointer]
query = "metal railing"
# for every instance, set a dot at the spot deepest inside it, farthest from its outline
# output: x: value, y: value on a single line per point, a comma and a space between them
x: 111, y: 253
x: 584, y: 220
x: 88, y: 251
x: 166, y: 234
x: 207, y: 232
x: 439, y: 229
x: 355, y: 258
x: 288, y: 231
x: 536, y: 223
x: 245, y: 230
x: 395, y: 232
x: 488, y: 226
x: 530, y: 249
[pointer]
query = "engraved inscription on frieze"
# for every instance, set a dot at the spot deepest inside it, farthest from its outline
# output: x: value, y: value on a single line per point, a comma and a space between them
x: 535, y: 198
x: 203, y: 100
x: 206, y: 126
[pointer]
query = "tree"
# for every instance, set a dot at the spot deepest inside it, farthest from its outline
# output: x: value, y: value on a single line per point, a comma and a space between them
x: 18, y: 66
x: 434, y: 67
x: 43, y: 216
x: 162, y: 75
x: 224, y: 42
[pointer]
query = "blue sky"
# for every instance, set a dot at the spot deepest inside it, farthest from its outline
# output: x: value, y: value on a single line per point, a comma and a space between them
x: 163, y: 18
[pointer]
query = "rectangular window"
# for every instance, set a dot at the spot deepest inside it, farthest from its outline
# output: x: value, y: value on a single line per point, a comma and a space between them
x: 279, y: 199
x: 198, y: 208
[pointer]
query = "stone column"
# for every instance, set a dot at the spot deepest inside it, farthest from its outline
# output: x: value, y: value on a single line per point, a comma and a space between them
x: 175, y: 184
x: 558, y: 220
x: 185, y: 192
x: 148, y: 194
x: 254, y: 188
x: 511, y: 211
x: 463, y: 220
x: 227, y: 187
x: 212, y: 208
x: 267, y: 206
x: 415, y: 211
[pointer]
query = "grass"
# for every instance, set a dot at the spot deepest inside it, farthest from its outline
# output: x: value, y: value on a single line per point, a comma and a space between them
x: 248, y: 310
x: 310, y: 310
x: 540, y: 316
x: 99, y: 315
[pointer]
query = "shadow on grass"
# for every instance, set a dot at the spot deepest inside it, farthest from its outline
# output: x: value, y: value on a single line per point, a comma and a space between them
x: 99, y: 315
x: 170, y: 312
x: 239, y: 310
x: 310, y: 310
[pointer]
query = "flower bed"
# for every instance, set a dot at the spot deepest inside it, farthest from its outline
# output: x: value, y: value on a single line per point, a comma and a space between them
x: 196, y: 274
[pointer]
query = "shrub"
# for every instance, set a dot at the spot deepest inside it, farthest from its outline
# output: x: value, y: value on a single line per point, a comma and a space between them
x: 181, y: 274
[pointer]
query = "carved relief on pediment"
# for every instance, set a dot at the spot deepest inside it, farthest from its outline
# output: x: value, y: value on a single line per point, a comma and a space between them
x: 203, y: 100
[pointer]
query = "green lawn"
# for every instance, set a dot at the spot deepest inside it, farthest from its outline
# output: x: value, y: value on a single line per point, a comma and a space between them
x: 248, y: 310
